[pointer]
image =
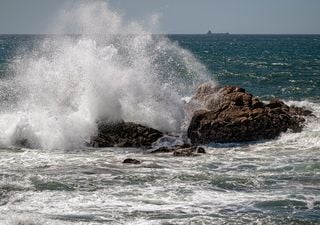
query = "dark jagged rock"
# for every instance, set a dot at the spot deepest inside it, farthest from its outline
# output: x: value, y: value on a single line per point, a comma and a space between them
x: 200, y: 150
x: 124, y: 134
x: 131, y: 161
x: 230, y: 114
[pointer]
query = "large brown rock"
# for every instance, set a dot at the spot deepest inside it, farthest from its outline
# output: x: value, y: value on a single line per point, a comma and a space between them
x: 124, y: 134
x: 230, y: 114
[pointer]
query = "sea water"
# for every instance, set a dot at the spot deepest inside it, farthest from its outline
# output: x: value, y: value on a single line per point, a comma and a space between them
x: 53, y: 89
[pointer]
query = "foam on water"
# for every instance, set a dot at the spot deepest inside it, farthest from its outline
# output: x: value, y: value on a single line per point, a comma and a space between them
x: 66, y: 83
x: 310, y: 135
x: 224, y: 185
x: 111, y: 71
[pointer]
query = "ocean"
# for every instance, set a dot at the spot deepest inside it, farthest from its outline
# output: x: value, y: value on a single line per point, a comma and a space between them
x: 54, y: 88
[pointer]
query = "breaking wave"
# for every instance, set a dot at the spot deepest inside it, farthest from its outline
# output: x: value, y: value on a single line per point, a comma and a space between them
x: 109, y: 70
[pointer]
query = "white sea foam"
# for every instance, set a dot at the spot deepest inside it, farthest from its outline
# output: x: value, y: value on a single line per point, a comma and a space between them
x: 310, y: 135
x: 21, y: 221
x: 111, y: 71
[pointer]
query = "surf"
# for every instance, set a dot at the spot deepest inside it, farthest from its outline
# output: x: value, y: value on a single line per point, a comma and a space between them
x: 109, y: 70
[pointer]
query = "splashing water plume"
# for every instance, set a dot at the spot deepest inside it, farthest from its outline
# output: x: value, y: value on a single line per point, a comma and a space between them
x: 109, y: 71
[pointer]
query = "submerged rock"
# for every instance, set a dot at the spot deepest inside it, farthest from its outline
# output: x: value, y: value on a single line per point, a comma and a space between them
x: 131, y: 161
x: 230, y: 114
x: 124, y: 134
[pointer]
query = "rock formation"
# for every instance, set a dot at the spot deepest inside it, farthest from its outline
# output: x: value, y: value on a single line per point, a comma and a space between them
x: 217, y: 114
x: 230, y: 114
x: 124, y: 134
x: 131, y: 161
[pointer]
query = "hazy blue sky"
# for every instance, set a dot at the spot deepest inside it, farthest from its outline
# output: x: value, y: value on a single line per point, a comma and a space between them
x: 181, y: 16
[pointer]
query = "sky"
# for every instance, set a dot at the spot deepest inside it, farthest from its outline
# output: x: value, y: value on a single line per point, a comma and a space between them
x: 179, y: 16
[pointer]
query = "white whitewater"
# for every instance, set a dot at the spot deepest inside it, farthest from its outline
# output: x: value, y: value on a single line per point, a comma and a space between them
x: 58, y: 91
x: 111, y: 71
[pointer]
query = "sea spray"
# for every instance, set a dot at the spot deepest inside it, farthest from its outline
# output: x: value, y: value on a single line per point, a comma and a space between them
x: 109, y: 70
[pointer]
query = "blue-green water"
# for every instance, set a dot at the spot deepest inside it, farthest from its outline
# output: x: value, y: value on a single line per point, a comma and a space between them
x: 53, y: 88
x: 282, y: 66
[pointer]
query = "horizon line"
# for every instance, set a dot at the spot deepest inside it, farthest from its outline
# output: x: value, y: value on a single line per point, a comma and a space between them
x: 213, y: 34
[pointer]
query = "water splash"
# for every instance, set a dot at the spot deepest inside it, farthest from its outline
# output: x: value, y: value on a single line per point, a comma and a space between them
x: 110, y: 70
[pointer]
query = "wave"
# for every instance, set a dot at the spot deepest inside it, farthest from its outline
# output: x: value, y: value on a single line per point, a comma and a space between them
x: 111, y: 70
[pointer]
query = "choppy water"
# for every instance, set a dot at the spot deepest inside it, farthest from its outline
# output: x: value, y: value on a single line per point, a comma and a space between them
x: 274, y: 182
x: 282, y: 66
x: 54, y: 88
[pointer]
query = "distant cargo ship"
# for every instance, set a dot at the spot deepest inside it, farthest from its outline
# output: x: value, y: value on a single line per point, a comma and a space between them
x: 210, y: 33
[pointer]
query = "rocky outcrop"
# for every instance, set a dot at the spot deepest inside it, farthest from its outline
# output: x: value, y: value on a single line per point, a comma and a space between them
x: 230, y: 114
x: 124, y: 134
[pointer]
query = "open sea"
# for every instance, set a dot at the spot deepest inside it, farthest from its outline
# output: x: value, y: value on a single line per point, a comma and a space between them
x: 54, y: 88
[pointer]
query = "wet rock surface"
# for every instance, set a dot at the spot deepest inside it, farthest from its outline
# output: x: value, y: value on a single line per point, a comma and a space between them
x: 230, y: 114
x: 124, y: 134
x: 131, y: 161
x: 217, y: 114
